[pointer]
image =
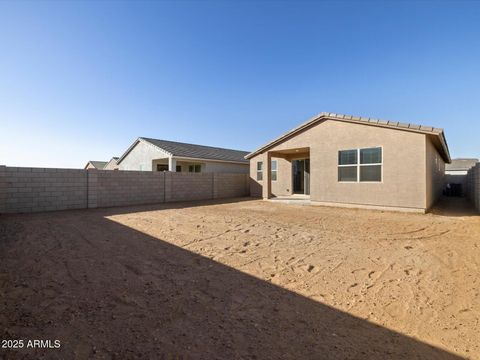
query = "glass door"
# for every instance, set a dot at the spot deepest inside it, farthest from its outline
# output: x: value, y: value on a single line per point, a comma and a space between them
x: 301, y: 176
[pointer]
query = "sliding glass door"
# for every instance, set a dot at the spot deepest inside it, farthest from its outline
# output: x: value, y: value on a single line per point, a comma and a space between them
x: 301, y: 176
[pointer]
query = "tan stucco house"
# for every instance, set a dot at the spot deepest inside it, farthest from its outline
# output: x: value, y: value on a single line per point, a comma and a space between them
x: 146, y: 154
x: 353, y: 161
x: 112, y: 164
x: 98, y: 165
x: 102, y: 165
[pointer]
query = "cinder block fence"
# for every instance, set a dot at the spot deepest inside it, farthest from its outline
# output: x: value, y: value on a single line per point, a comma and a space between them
x: 473, y: 186
x: 44, y: 189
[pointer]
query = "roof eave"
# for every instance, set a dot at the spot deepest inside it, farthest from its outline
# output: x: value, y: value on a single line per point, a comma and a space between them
x: 358, y: 120
x: 292, y: 132
x: 211, y: 160
x: 139, y: 139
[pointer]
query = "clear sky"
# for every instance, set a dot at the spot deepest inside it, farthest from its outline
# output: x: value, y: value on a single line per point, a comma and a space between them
x: 80, y: 81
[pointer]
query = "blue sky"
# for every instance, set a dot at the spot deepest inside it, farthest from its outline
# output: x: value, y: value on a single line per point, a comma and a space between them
x: 80, y: 81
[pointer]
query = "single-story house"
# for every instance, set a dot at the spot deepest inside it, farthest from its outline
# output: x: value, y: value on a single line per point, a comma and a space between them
x: 99, y: 165
x: 343, y: 160
x: 147, y: 154
x: 112, y: 164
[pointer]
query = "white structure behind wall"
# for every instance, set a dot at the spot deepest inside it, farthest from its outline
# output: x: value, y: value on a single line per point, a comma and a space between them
x: 141, y: 157
x: 172, y: 164
x: 145, y: 156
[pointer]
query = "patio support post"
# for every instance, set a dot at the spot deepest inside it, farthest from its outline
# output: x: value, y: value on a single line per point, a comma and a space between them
x: 172, y: 164
x: 267, y: 177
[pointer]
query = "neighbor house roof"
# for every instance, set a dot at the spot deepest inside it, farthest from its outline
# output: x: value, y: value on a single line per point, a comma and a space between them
x: 461, y: 164
x: 97, y: 164
x: 428, y: 130
x: 192, y: 151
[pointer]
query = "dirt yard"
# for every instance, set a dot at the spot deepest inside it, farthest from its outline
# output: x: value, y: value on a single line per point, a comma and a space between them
x: 241, y: 280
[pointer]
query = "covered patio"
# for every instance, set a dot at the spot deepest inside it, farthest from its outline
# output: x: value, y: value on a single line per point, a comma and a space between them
x: 174, y: 164
x: 287, y: 174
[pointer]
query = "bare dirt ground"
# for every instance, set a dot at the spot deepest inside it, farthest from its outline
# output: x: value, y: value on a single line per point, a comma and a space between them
x: 242, y: 280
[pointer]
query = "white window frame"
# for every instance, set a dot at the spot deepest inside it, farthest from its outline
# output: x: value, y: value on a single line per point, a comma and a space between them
x: 260, y: 171
x: 274, y: 171
x: 358, y: 165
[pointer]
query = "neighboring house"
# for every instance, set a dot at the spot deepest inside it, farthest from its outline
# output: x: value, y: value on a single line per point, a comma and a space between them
x: 112, y: 164
x: 161, y: 155
x: 456, y: 173
x: 345, y: 160
x: 99, y: 165
x: 460, y: 166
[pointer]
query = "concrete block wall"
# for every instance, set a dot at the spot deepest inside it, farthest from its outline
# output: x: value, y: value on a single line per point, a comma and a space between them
x: 188, y: 186
x: 118, y: 188
x: 40, y: 189
x: 473, y: 186
x: 230, y: 185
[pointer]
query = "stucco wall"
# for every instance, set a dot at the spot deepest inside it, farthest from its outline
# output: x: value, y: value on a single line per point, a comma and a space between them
x: 39, y: 189
x: 435, y: 176
x: 111, y: 165
x: 404, y: 165
x: 141, y: 156
x: 283, y: 185
x: 145, y: 157
x: 256, y: 187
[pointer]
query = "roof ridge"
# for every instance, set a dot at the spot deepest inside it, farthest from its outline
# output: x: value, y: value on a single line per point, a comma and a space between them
x: 359, y: 120
x: 381, y: 121
x: 184, y: 143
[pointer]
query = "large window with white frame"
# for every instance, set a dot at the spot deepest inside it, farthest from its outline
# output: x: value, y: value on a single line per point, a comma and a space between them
x: 360, y: 165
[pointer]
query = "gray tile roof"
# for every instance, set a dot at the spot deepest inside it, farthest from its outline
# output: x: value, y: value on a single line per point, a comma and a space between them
x: 461, y: 164
x: 178, y: 149
x: 98, y: 164
x: 360, y: 120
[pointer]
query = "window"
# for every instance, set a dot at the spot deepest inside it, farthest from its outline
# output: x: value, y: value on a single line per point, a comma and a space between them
x: 162, y: 167
x: 274, y: 170
x: 368, y: 169
x: 195, y: 168
x: 178, y: 168
x: 371, y: 164
x: 260, y: 171
x: 347, y: 165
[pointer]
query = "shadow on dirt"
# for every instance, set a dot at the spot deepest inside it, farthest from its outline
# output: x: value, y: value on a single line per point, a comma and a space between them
x: 454, y: 207
x: 108, y: 291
